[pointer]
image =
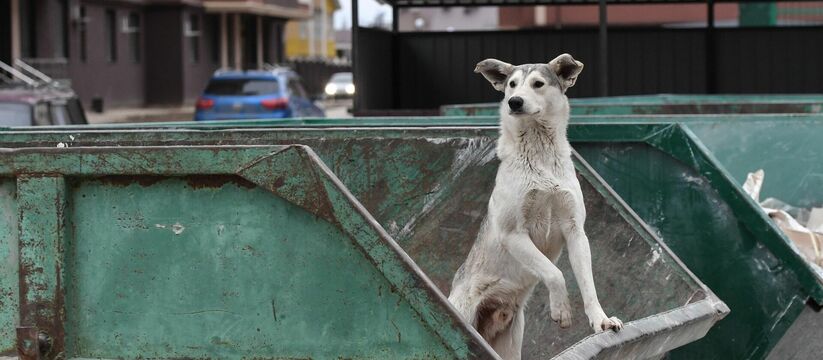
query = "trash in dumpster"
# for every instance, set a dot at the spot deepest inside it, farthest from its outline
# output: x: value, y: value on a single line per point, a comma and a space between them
x: 806, y: 231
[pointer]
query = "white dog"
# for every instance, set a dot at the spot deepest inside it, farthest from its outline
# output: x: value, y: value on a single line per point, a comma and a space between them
x: 535, y: 209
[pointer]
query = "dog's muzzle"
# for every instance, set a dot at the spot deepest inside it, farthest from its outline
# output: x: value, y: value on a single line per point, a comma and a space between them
x: 516, y: 104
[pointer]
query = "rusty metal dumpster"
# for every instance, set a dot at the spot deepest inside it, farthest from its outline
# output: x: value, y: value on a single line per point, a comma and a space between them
x: 206, y: 252
x: 697, y: 208
x: 668, y: 104
x: 258, y: 251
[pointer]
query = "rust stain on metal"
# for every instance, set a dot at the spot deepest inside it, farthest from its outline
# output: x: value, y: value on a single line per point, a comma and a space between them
x: 217, y: 181
x: 126, y: 180
x: 194, y: 182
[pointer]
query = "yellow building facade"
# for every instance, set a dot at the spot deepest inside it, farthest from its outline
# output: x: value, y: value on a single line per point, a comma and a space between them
x: 313, y: 37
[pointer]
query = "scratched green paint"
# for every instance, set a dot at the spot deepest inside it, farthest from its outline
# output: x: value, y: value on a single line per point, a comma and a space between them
x: 790, y: 152
x: 226, y: 281
x: 578, y: 132
x: 680, y: 204
x: 8, y: 265
x: 316, y: 188
x: 668, y: 104
x: 40, y: 204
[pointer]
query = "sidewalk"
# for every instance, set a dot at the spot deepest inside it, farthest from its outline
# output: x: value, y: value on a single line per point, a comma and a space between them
x: 134, y: 115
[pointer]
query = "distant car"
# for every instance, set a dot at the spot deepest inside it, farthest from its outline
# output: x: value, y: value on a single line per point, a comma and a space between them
x: 340, y: 86
x: 255, y: 94
x: 22, y: 105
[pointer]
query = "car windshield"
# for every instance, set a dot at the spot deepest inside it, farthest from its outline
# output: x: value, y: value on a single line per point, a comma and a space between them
x: 240, y: 87
x: 341, y: 78
x: 15, y: 114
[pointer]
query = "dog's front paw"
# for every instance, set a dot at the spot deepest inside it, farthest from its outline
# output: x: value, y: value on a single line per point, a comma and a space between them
x: 561, y: 311
x: 606, y: 323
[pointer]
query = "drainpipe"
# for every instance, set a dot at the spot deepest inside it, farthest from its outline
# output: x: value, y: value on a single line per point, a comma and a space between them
x: 604, y: 51
x: 224, y: 41
x: 259, y: 42
x: 15, y: 30
x: 324, y: 37
x: 238, y: 45
x: 312, y: 36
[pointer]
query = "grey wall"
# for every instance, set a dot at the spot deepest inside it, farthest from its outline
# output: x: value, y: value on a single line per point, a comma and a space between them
x: 119, y: 83
x: 164, y: 55
x: 196, y: 75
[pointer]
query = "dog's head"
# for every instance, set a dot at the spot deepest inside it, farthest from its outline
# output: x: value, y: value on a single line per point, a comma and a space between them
x: 532, y: 90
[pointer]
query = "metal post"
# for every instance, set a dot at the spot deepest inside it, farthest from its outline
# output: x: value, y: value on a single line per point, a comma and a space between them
x: 238, y: 45
x: 224, y: 41
x: 395, y: 19
x: 355, y: 24
x: 15, y: 30
x: 259, y: 42
x: 711, y: 73
x: 604, y: 51
x: 395, y: 63
x: 324, y: 35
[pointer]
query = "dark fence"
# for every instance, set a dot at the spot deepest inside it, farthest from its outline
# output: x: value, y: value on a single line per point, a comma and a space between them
x: 426, y: 70
x: 375, y: 63
x: 316, y: 73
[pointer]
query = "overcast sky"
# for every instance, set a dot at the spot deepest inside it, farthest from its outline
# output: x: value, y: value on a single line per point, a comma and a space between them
x: 368, y: 11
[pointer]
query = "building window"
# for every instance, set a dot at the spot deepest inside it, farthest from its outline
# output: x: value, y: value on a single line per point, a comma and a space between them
x: 131, y: 26
x: 193, y: 35
x: 111, y: 35
x: 83, y: 42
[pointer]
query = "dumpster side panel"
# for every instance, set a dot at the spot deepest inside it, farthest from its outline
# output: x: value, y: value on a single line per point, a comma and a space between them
x: 432, y: 194
x: 739, y: 269
x: 179, y: 268
x: 9, y: 298
x: 789, y: 152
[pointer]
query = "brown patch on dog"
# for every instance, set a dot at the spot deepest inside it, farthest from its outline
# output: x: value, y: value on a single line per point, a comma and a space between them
x: 493, y: 317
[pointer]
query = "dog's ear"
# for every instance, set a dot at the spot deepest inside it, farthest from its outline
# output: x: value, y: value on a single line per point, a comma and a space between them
x: 567, y: 69
x: 495, y: 71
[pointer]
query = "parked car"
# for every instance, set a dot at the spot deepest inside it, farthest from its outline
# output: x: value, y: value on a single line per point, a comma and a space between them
x: 22, y: 105
x: 340, y: 86
x: 255, y: 94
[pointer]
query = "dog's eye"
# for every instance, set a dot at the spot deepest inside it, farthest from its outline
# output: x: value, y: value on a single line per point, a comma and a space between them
x: 512, y: 83
x: 538, y: 84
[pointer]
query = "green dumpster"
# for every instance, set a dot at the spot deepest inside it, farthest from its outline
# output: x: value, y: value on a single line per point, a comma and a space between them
x: 697, y: 208
x: 669, y: 104
x: 259, y: 251
x: 190, y: 252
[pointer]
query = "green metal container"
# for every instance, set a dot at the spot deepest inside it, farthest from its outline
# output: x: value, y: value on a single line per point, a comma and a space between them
x: 668, y: 104
x: 678, y: 187
x: 206, y: 252
x: 156, y: 250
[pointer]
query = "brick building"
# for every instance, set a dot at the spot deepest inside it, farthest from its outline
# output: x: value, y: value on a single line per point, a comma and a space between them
x: 143, y: 52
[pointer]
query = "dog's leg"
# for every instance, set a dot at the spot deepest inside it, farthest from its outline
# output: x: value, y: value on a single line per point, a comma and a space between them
x: 509, y: 343
x: 581, y: 259
x: 521, y: 248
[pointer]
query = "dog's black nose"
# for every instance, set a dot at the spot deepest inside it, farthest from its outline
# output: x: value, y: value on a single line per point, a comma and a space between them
x: 516, y: 103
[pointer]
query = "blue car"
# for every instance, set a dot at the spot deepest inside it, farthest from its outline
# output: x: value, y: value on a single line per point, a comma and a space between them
x: 255, y: 94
